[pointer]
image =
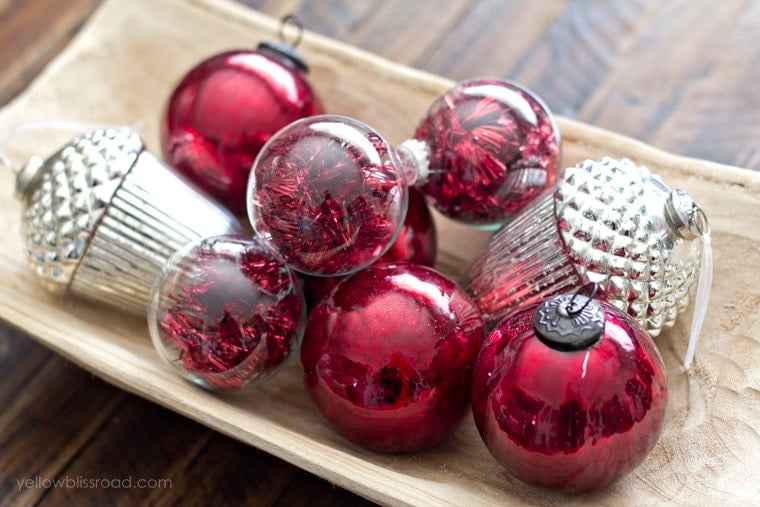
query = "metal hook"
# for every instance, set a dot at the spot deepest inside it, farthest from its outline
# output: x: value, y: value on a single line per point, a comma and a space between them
x: 291, y: 19
x: 570, y: 308
x: 700, y: 220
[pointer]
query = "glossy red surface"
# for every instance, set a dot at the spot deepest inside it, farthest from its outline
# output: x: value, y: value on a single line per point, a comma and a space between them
x: 493, y: 148
x: 227, y: 312
x: 224, y: 110
x: 569, y: 420
x: 330, y: 193
x: 416, y: 243
x: 388, y: 356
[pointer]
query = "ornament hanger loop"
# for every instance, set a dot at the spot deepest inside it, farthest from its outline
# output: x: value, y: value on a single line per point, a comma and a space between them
x: 699, y: 219
x: 571, y: 310
x: 291, y: 19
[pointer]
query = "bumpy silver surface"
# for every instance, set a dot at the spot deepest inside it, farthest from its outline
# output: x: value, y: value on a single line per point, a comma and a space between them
x: 611, y: 216
x: 102, y: 216
x: 66, y: 198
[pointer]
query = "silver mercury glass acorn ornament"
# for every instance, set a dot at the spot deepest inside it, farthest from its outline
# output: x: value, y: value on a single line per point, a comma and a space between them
x: 609, y: 222
x: 102, y: 215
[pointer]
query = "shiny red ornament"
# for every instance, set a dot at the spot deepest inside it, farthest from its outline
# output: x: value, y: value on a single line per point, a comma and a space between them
x: 416, y: 243
x: 493, y: 147
x: 223, y: 111
x: 226, y: 312
x: 330, y: 193
x: 563, y: 408
x: 388, y: 356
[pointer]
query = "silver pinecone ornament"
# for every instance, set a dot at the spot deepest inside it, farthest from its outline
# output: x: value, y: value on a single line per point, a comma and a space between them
x: 102, y: 215
x: 608, y: 222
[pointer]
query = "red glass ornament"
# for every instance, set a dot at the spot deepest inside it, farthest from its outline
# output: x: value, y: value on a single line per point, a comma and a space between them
x: 416, y: 243
x: 225, y: 109
x: 226, y: 312
x: 388, y: 356
x: 493, y: 146
x: 573, y: 419
x: 330, y: 193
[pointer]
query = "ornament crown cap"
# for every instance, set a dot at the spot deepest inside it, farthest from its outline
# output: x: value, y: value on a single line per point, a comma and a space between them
x: 569, y: 322
x: 684, y: 216
x: 285, y: 49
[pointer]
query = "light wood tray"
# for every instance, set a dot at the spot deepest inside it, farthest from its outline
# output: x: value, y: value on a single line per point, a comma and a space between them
x: 120, y: 70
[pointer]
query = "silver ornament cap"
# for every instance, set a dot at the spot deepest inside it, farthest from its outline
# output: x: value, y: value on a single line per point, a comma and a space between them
x: 102, y: 215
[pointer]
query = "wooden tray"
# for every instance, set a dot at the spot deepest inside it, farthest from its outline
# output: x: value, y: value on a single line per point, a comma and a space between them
x: 120, y: 70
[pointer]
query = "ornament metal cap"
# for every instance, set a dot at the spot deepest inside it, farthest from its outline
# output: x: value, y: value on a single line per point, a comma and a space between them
x: 102, y: 215
x: 684, y: 216
x: 285, y: 49
x: 569, y: 322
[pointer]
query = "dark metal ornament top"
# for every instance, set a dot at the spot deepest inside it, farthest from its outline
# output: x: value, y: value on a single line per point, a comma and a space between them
x: 569, y: 322
x: 285, y: 49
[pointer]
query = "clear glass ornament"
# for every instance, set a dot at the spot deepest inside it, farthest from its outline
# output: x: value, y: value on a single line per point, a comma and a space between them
x: 488, y: 147
x: 226, y: 312
x: 331, y: 193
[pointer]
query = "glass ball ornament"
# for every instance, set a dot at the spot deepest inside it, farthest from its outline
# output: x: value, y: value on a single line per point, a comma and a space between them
x: 388, y: 354
x: 225, y: 108
x: 330, y: 193
x: 226, y: 312
x: 569, y: 394
x: 490, y: 147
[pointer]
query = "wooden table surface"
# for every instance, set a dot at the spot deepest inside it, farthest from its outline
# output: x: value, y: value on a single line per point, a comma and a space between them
x: 681, y: 75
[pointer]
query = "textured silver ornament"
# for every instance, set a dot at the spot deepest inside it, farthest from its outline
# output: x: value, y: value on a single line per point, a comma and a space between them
x: 609, y: 222
x: 612, y: 217
x: 102, y: 215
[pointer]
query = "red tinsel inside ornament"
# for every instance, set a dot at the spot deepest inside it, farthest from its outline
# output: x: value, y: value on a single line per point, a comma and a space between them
x: 493, y: 148
x: 227, y: 311
x: 416, y: 243
x: 224, y: 110
x: 330, y: 193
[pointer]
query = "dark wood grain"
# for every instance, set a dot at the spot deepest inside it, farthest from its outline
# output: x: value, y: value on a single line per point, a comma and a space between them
x: 679, y: 74
x: 31, y: 33
x: 51, y: 414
